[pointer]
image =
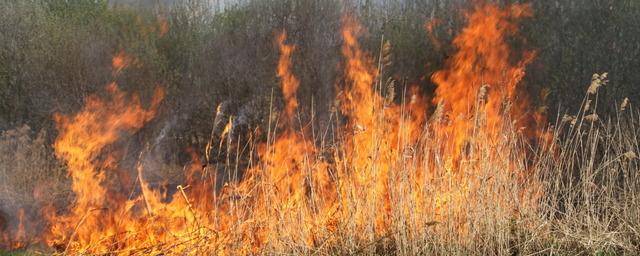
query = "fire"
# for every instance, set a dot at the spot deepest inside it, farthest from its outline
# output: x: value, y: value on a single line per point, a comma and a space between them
x: 481, y: 70
x: 376, y: 134
x: 81, y: 140
x: 288, y: 81
x: 120, y: 61
x: 18, y: 237
x: 393, y: 173
x: 481, y: 108
x: 430, y: 26
x: 163, y: 25
x: 288, y: 178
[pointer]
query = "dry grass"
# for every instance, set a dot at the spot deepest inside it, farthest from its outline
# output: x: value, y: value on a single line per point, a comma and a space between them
x: 28, y: 170
x: 30, y: 177
x: 582, y: 185
x: 591, y: 179
x: 587, y: 176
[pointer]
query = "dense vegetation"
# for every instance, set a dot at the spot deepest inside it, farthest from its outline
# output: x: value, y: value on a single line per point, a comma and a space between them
x: 54, y: 52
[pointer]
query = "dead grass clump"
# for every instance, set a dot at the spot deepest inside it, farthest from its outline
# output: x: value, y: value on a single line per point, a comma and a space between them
x: 30, y: 177
x: 591, y: 180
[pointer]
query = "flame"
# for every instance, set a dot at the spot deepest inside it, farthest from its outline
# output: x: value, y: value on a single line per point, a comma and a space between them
x: 163, y: 25
x: 226, y: 132
x: 478, y: 96
x: 288, y: 177
x: 288, y: 81
x: 81, y: 141
x: 430, y: 26
x: 391, y: 171
x: 20, y: 235
x: 120, y: 61
x: 481, y: 70
x: 380, y: 137
x: 13, y: 239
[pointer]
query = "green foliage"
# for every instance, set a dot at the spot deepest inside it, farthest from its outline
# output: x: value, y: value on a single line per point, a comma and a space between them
x: 576, y: 39
x: 79, y: 11
x: 55, y: 52
x: 14, y: 253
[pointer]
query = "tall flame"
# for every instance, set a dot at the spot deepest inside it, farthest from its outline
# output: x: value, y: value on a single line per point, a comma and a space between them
x: 481, y: 69
x: 376, y: 136
x: 391, y: 174
x: 81, y: 140
x: 288, y: 82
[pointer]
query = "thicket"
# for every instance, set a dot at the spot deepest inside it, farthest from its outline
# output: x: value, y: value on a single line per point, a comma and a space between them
x: 52, y: 53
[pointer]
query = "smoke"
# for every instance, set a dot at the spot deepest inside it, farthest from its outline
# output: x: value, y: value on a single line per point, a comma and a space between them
x: 30, y: 178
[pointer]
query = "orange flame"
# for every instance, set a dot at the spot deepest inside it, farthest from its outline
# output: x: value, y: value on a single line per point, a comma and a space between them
x: 430, y: 26
x: 120, y: 61
x: 392, y: 172
x: 483, y: 58
x: 376, y: 133
x: 288, y: 82
x: 80, y: 143
x: 16, y: 239
x: 163, y: 25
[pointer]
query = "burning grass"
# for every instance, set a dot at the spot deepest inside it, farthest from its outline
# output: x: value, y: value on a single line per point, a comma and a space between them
x: 472, y: 170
